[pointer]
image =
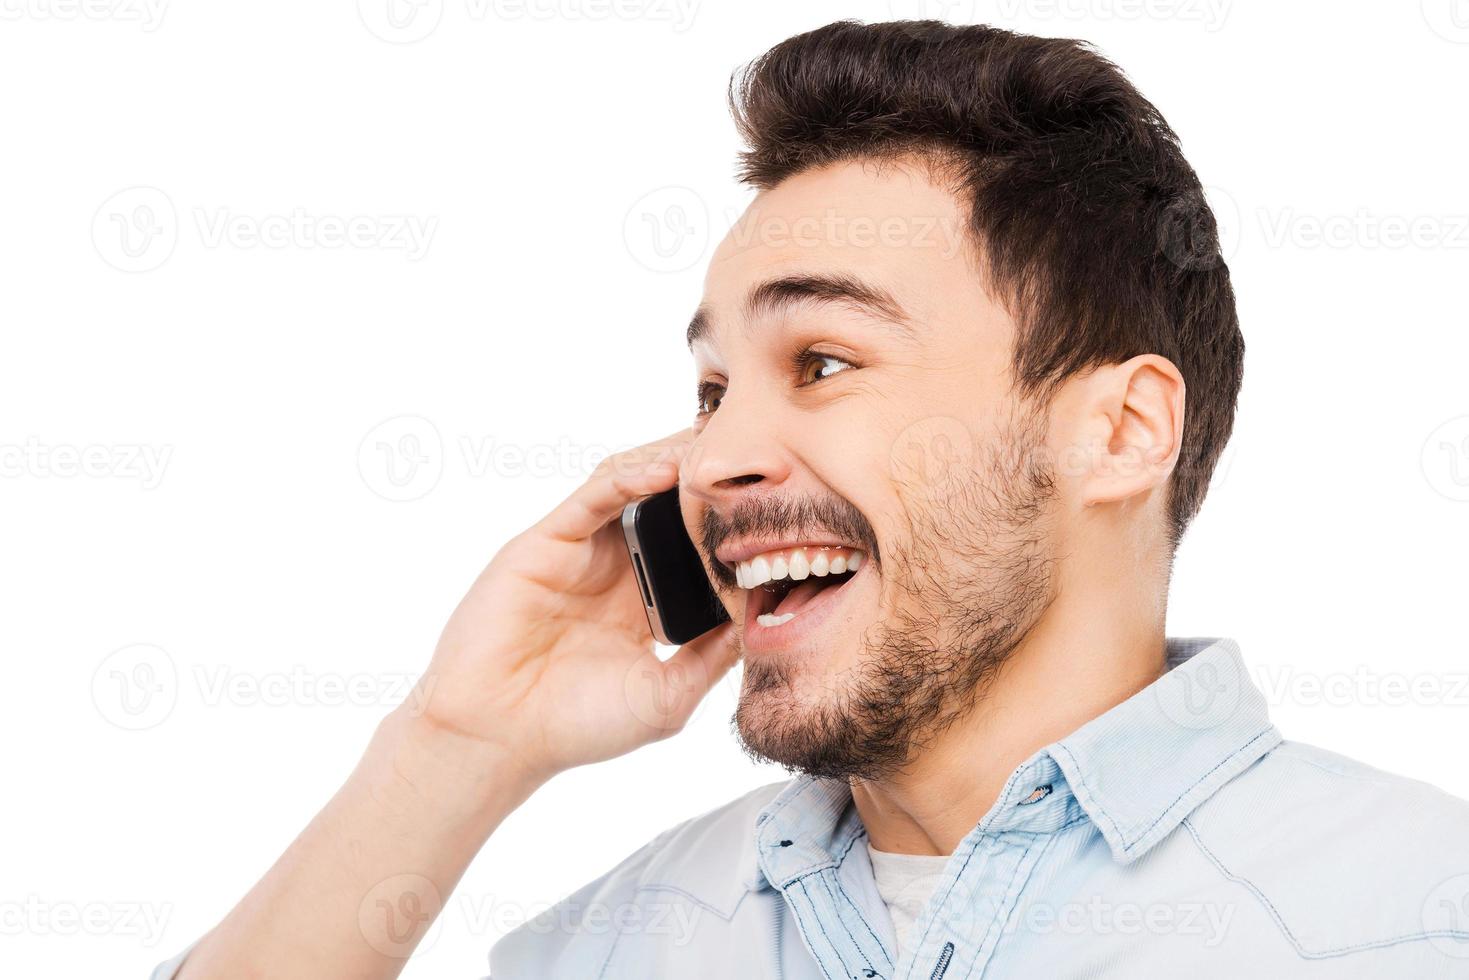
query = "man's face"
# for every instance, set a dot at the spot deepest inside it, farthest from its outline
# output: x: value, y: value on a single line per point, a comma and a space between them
x: 857, y: 408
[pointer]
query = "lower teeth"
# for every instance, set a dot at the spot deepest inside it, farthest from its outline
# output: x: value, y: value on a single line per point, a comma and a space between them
x: 794, y: 596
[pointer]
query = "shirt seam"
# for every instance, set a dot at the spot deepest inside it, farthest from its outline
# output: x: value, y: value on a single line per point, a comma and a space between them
x: 770, y: 818
x: 637, y: 889
x: 1001, y: 919
x: 826, y: 883
x: 1289, y: 751
x: 861, y: 833
x: 825, y: 935
x: 691, y: 897
x: 1128, y: 845
x: 804, y: 787
x: 1285, y: 929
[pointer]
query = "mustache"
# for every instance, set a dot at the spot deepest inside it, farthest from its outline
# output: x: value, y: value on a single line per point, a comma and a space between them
x: 785, y: 517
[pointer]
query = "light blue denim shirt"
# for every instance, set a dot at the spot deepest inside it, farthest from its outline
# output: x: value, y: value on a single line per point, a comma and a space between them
x: 1177, y: 835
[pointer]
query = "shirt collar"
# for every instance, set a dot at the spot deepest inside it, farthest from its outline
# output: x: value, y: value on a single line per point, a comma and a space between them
x: 1143, y: 766
x: 1135, y: 771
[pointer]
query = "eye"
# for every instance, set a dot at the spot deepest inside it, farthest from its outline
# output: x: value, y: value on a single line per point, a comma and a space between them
x: 710, y: 393
x: 812, y: 367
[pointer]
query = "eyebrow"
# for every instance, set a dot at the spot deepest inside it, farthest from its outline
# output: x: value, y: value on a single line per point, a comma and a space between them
x: 778, y: 295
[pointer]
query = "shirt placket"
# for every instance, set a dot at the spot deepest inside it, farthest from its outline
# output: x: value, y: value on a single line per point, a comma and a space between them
x: 960, y: 932
x: 969, y: 912
x: 804, y: 864
x: 839, y: 935
x: 967, y: 915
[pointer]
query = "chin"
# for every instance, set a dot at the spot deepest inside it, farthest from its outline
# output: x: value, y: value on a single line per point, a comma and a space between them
x: 790, y: 711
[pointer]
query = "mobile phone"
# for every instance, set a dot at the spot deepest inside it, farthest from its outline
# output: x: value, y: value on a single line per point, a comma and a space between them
x: 677, y: 596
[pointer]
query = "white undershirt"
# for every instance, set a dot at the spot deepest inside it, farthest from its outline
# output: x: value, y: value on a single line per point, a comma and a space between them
x: 905, y: 881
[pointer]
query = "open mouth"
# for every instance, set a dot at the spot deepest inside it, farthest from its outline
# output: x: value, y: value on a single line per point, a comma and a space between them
x: 782, y: 584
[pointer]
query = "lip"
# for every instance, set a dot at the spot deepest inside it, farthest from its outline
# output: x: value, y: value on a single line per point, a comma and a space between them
x: 804, y: 629
x: 748, y: 548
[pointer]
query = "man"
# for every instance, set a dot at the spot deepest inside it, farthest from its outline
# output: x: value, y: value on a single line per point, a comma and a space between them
x: 964, y: 369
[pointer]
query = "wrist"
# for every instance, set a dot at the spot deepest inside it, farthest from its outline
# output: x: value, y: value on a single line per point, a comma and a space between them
x: 420, y: 770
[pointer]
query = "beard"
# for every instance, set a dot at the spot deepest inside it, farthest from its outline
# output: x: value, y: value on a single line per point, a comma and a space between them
x: 964, y: 587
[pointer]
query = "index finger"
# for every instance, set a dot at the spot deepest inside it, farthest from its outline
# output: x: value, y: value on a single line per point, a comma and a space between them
x: 617, y: 481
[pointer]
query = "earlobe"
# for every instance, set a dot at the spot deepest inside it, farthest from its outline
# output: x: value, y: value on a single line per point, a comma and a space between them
x: 1142, y: 403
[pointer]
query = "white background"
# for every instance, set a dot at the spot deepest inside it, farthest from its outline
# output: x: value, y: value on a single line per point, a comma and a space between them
x: 194, y: 481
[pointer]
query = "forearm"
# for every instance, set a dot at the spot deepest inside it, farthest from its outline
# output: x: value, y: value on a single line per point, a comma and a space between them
x: 357, y: 890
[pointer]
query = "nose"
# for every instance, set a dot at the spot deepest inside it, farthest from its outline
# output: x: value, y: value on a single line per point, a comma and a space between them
x: 738, y: 452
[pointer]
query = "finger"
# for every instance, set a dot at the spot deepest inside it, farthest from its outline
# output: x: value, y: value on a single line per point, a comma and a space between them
x: 617, y: 481
x: 664, y: 694
x: 706, y: 659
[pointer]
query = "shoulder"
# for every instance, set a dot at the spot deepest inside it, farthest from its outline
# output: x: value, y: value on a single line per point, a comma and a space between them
x: 1344, y: 857
x: 712, y: 856
x: 708, y: 861
x: 1323, y: 801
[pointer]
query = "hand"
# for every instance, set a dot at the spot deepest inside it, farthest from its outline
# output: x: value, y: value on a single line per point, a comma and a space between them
x: 549, y: 656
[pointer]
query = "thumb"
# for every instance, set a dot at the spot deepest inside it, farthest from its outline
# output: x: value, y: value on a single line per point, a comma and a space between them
x: 715, y: 651
x: 697, y: 666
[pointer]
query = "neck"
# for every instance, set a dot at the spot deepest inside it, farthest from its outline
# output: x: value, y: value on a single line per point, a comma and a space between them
x: 1082, y: 658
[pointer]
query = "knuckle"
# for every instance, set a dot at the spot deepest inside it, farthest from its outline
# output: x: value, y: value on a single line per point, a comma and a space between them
x: 623, y: 464
x: 605, y: 468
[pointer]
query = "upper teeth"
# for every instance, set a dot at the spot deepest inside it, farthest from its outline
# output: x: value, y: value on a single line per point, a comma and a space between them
x: 796, y: 564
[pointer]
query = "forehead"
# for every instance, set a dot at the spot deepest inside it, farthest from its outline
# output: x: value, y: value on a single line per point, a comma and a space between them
x: 890, y: 226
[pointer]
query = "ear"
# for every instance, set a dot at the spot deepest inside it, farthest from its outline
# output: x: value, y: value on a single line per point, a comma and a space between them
x: 1137, y: 414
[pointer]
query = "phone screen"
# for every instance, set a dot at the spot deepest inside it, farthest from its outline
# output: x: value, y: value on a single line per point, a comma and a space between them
x: 677, y: 596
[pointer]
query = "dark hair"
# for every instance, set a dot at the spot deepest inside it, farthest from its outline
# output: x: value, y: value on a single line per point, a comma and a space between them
x: 1091, y: 226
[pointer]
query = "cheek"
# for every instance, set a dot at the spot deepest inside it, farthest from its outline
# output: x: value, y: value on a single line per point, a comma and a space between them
x: 929, y: 462
x: 918, y: 435
x: 878, y: 463
x: 849, y: 455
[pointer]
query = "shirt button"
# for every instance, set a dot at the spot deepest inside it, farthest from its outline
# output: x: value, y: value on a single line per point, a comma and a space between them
x: 1036, y: 795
